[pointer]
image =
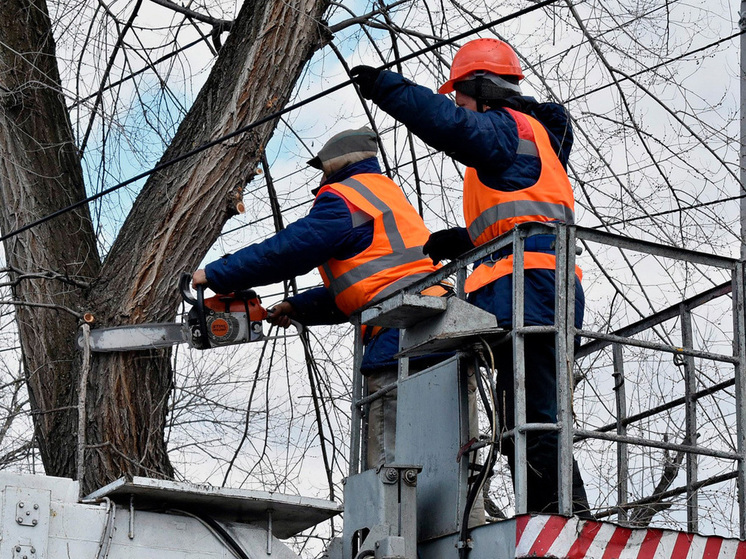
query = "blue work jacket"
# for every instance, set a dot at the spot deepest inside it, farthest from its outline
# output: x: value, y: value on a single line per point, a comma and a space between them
x: 326, y: 232
x: 487, y: 142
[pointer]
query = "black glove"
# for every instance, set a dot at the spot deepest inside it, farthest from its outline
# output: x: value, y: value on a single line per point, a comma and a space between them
x: 447, y: 244
x: 365, y: 78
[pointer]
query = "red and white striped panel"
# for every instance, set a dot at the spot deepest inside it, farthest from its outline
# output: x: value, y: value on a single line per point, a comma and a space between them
x: 572, y: 538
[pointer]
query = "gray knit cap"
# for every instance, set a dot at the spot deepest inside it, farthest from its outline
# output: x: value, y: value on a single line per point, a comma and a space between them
x: 345, y: 148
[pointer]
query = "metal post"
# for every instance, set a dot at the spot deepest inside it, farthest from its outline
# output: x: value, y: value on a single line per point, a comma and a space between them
x: 131, y: 531
x: 622, y: 453
x: 460, y: 280
x: 742, y: 27
x: 357, y: 393
x: 690, y: 378
x: 738, y: 293
x: 403, y: 362
x: 519, y: 377
x: 564, y: 335
x: 739, y: 349
x: 269, y: 531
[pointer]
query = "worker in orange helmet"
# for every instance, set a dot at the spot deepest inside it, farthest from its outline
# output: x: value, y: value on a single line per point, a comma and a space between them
x: 516, y: 151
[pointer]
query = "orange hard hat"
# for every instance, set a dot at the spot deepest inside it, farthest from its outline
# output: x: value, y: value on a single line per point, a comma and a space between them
x: 490, y: 55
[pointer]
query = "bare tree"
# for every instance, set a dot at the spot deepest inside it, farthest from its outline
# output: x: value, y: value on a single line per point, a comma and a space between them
x: 654, y: 158
x: 176, y: 217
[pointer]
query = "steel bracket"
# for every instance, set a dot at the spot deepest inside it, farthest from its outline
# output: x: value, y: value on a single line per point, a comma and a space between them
x: 27, y: 513
x: 24, y: 552
x: 24, y: 524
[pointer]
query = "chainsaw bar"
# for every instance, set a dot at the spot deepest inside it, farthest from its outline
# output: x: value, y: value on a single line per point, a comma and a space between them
x: 136, y: 337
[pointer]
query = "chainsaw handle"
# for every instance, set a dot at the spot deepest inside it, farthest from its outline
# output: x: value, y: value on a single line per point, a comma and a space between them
x: 198, y: 303
x: 186, y: 292
x: 200, y: 306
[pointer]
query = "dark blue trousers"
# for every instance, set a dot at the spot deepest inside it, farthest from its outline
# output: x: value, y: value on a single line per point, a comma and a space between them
x: 541, y: 384
x: 541, y: 407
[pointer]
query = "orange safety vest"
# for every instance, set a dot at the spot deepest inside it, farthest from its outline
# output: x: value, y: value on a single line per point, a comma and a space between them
x: 394, y: 258
x: 489, y: 213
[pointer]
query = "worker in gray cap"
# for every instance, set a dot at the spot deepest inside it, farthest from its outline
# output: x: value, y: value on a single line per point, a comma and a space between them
x: 366, y: 240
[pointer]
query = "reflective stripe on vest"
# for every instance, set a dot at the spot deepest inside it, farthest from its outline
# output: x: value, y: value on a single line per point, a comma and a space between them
x: 487, y: 272
x: 359, y: 218
x: 489, y: 212
x: 404, y: 256
x: 393, y: 260
x: 519, y: 208
x: 527, y: 147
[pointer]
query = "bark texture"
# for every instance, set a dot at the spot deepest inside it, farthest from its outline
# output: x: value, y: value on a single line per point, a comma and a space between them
x: 40, y: 172
x: 175, y: 219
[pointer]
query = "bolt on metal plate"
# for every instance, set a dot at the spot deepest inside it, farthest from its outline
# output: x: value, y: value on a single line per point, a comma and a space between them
x: 27, y: 514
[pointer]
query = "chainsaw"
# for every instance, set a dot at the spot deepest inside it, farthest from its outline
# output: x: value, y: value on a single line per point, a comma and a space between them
x: 216, y: 321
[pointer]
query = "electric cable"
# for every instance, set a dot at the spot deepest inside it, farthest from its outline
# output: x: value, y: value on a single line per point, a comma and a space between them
x: 485, y: 401
x: 104, y: 545
x: 203, y: 39
x: 489, y: 463
x: 667, y: 212
x: 596, y: 90
x: 655, y: 67
x: 335, y: 88
x: 217, y: 530
x: 136, y: 73
x: 310, y: 200
x: 270, y: 117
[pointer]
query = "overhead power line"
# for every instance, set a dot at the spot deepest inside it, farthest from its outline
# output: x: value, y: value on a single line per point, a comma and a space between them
x: 270, y: 117
x: 656, y: 66
x: 673, y: 211
x: 183, y: 48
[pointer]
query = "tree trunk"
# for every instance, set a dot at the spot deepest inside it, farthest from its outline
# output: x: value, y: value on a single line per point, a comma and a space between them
x: 177, y: 216
x: 40, y: 172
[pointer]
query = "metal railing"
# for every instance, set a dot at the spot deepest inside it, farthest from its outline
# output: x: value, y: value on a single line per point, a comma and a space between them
x: 566, y: 238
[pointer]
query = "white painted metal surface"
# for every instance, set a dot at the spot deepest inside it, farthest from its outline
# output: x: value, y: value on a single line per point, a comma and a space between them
x: 190, y: 523
x: 460, y: 325
x: 404, y: 310
x: 291, y: 514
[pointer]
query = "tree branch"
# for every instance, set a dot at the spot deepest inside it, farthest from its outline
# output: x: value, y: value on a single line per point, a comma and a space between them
x: 364, y: 19
x: 77, y: 315
x: 220, y: 24
x: 20, y: 276
x: 643, y: 514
